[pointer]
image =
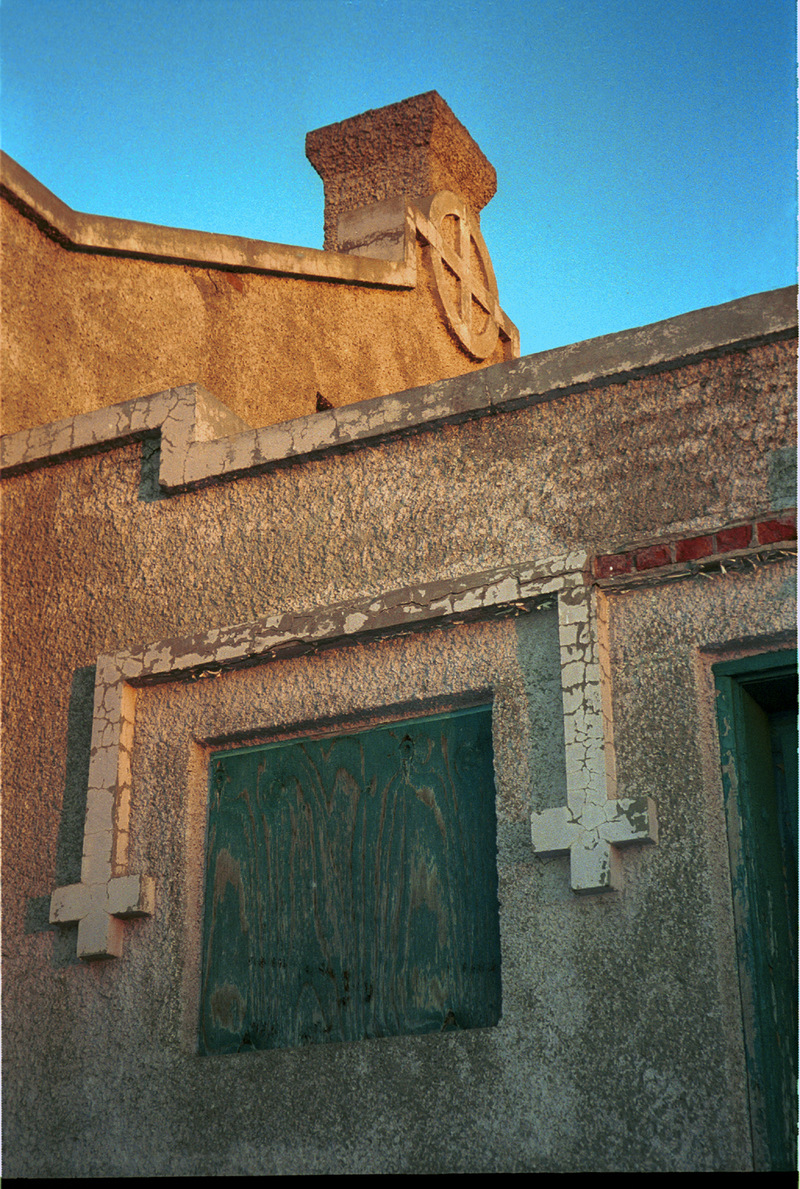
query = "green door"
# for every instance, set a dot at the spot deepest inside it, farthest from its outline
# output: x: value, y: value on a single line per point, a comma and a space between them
x: 351, y: 886
x: 757, y: 715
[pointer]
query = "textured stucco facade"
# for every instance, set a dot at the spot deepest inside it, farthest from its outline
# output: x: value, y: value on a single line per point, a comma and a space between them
x: 575, y: 536
x: 99, y: 310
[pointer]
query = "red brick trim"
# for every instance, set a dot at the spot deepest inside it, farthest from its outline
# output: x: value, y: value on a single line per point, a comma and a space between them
x: 653, y: 557
x: 657, y: 555
x: 693, y: 548
x: 783, y: 529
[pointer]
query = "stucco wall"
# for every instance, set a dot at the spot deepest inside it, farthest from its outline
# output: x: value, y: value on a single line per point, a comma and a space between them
x: 85, y: 330
x: 620, y: 1042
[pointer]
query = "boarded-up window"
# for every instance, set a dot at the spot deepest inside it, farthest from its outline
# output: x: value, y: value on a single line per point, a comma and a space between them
x: 351, y: 886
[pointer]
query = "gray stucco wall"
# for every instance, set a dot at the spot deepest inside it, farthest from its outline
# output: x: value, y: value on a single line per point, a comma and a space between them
x: 620, y: 1043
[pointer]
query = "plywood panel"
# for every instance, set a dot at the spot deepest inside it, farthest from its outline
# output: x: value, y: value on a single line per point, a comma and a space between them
x: 352, y: 886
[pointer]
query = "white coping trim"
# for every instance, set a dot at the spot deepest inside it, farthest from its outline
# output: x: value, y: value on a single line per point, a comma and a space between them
x: 202, y: 440
x: 590, y: 825
x: 126, y: 237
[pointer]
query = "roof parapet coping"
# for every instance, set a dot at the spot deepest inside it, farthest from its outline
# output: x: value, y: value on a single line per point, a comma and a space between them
x: 105, y: 235
x: 203, y: 442
x: 374, y: 167
x: 410, y: 150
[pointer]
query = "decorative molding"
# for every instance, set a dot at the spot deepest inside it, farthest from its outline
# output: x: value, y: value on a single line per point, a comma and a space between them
x: 475, y: 285
x: 588, y: 828
x: 593, y: 823
x: 758, y: 539
x: 108, y: 892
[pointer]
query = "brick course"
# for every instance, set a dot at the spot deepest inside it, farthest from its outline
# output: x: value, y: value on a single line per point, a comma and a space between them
x: 784, y: 529
x: 766, y: 531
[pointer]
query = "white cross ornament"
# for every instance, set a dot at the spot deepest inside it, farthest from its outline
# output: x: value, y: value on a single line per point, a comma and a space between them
x: 592, y: 825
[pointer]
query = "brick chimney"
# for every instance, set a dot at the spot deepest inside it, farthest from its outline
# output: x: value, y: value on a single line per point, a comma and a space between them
x: 408, y: 150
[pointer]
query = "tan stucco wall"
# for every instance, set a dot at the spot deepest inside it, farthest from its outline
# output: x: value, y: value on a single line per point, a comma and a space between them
x: 83, y: 330
x: 620, y: 1045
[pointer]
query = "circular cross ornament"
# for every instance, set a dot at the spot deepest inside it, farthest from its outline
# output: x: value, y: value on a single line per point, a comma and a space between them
x: 464, y: 276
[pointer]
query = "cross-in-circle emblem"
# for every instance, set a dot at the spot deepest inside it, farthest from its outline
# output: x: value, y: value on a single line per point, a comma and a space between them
x: 464, y: 276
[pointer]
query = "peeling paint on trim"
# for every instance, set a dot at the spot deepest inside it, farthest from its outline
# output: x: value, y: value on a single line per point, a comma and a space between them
x: 594, y: 822
x: 108, y: 893
x: 203, y: 442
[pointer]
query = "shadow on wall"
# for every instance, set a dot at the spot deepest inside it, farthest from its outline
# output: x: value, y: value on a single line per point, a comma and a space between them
x: 69, y: 846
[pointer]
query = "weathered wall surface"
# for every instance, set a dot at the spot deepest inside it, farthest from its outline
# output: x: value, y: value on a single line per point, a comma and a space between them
x: 85, y: 330
x: 620, y: 1043
x: 414, y: 148
x: 664, y: 454
x: 616, y: 1048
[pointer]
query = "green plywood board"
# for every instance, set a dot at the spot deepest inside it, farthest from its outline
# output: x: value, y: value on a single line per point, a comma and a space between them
x: 351, y: 886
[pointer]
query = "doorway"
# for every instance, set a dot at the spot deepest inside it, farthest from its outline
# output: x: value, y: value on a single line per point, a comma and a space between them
x: 757, y: 718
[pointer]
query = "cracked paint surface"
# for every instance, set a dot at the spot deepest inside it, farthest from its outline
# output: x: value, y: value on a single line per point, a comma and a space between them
x: 593, y: 822
x: 107, y: 892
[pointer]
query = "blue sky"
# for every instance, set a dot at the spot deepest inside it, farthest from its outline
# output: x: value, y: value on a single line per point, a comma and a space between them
x: 645, y: 151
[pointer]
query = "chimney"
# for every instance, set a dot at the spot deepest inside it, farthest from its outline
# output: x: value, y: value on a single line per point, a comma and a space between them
x: 406, y: 151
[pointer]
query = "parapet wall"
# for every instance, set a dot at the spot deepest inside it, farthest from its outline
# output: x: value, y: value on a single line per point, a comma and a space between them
x: 99, y: 310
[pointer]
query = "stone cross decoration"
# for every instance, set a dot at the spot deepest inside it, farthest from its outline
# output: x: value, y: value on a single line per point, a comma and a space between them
x: 589, y: 828
x: 416, y: 157
x: 469, y: 264
x: 593, y: 823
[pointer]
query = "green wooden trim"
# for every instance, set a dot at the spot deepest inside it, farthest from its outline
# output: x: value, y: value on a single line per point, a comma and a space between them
x: 765, y: 907
x: 748, y: 668
x: 312, y: 735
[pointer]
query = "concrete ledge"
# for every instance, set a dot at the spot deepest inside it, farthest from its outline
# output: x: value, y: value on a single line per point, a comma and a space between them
x: 203, y: 442
x: 658, y: 346
x: 124, y: 237
x: 494, y: 592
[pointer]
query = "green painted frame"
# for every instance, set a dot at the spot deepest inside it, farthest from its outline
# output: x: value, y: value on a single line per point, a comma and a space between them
x: 764, y: 885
